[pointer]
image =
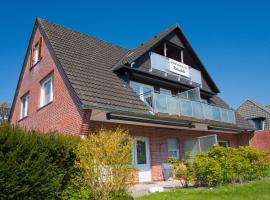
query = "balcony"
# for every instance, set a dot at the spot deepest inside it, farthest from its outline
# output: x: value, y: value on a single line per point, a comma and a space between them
x: 175, y: 105
x: 175, y: 70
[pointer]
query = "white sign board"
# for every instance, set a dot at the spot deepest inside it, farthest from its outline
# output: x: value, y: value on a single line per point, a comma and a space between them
x: 179, y: 68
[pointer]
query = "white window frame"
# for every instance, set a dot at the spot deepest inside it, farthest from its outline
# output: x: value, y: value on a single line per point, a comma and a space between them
x: 42, y: 90
x: 24, y: 108
x: 36, y: 53
x: 199, y: 141
x: 174, y: 150
x: 224, y: 141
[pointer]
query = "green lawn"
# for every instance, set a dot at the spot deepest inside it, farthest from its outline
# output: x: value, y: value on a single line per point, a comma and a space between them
x: 256, y: 190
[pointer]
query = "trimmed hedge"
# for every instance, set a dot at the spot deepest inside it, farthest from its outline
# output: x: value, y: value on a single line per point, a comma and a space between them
x: 34, y: 165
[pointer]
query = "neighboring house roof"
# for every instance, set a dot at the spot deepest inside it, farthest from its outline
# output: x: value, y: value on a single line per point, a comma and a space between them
x: 264, y: 108
x: 268, y: 106
x: 87, y: 63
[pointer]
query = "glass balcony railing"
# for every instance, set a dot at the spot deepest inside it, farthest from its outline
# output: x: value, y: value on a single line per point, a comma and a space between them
x: 176, y: 70
x: 161, y: 103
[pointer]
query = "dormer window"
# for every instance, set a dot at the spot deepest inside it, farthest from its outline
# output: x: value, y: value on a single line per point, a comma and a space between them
x: 36, y: 52
x: 258, y: 123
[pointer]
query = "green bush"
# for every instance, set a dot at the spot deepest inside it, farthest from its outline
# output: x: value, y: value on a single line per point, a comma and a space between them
x: 34, y: 165
x: 104, y: 159
x: 222, y: 165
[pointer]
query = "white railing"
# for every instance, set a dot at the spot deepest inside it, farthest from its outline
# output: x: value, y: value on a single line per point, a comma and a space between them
x: 164, y: 64
x: 161, y: 103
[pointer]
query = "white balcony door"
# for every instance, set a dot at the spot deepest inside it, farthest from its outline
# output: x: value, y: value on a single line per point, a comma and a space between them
x: 200, y: 144
x: 141, y: 156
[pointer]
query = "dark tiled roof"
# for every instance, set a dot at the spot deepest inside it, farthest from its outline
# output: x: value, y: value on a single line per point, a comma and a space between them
x: 264, y: 108
x: 137, y: 52
x: 240, y: 121
x: 87, y: 62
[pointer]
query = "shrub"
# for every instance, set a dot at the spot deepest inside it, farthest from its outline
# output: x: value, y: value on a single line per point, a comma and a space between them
x: 226, y: 165
x: 104, y: 159
x: 179, y: 168
x: 34, y: 165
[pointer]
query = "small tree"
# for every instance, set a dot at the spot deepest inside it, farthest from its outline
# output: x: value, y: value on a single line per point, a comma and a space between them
x: 4, y: 104
x: 104, y: 159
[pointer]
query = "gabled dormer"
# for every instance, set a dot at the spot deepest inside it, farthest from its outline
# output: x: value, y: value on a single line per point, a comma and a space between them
x: 170, y: 78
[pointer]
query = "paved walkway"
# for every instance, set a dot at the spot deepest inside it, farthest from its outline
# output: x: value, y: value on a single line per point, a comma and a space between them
x: 143, y: 188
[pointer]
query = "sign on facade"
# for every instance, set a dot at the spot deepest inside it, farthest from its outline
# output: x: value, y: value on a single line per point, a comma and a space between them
x: 179, y: 68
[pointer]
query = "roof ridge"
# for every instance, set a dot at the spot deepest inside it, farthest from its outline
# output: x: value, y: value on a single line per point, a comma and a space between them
x: 260, y: 105
x: 40, y: 20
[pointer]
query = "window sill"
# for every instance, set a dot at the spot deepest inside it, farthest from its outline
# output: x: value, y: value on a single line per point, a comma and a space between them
x: 35, y: 64
x: 23, y: 118
x: 41, y: 108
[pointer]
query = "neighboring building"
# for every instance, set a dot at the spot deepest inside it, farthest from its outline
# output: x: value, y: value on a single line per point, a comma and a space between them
x: 160, y: 92
x: 259, y: 116
x: 4, y: 114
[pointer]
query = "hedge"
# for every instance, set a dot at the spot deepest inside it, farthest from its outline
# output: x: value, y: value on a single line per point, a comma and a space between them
x: 34, y: 165
x: 222, y: 165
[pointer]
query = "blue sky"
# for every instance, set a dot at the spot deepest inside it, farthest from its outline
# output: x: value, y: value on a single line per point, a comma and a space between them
x: 232, y: 39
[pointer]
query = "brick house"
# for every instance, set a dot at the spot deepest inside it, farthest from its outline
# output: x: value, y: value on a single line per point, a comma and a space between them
x: 160, y: 92
x: 259, y: 116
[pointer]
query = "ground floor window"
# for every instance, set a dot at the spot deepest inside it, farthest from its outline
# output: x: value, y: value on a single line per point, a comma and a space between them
x: 200, y: 144
x: 173, y: 148
x: 223, y: 143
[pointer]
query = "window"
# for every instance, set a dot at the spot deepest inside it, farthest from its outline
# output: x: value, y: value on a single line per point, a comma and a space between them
x: 46, y: 91
x: 145, y: 91
x: 173, y: 148
x: 165, y: 91
x: 223, y: 143
x: 199, y: 144
x: 258, y: 123
x: 36, y: 52
x: 24, y: 106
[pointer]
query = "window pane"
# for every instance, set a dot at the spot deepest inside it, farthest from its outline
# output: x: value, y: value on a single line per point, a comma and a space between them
x: 46, y: 92
x: 207, y: 142
x: 172, y: 144
x: 24, y: 106
x: 135, y: 87
x: 141, y: 152
x: 191, y: 146
x: 173, y: 154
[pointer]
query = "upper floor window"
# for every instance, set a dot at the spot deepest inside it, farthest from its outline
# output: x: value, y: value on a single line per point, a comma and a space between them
x: 258, y: 123
x: 173, y: 148
x: 46, y: 91
x: 141, y: 89
x: 165, y: 91
x: 36, y: 52
x: 24, y: 106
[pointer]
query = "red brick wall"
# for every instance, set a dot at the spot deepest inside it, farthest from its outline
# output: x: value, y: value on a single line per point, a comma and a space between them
x: 62, y: 114
x: 261, y: 140
x: 158, y: 140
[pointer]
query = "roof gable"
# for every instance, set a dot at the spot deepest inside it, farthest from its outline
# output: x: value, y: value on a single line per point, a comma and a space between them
x: 138, y: 52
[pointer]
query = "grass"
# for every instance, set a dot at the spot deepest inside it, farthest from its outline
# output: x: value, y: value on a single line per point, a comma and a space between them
x: 259, y: 190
